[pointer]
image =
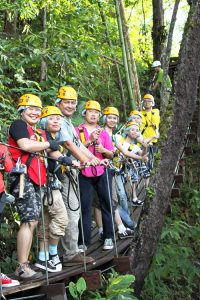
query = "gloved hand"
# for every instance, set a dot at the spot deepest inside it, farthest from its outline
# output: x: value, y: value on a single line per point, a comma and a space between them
x: 54, y: 145
x: 65, y: 160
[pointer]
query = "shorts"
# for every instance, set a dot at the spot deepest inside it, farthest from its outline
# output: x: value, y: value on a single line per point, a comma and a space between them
x: 28, y: 207
x: 132, y: 171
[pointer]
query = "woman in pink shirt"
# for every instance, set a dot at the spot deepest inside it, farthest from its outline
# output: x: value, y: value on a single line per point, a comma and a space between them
x: 97, y: 141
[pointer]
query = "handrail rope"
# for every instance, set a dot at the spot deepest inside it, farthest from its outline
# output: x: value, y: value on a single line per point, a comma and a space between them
x: 43, y: 224
x: 30, y: 152
x: 81, y: 222
x: 111, y: 209
x: 73, y: 184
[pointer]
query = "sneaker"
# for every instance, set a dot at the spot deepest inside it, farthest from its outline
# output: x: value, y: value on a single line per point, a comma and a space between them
x: 56, y: 261
x: 24, y: 272
x: 82, y: 248
x: 137, y: 202
x: 5, y: 281
x: 108, y: 244
x: 42, y: 265
x: 126, y: 234
x: 78, y: 259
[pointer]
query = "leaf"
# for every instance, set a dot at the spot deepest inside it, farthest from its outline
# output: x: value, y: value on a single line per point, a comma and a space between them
x: 81, y: 285
x: 72, y: 290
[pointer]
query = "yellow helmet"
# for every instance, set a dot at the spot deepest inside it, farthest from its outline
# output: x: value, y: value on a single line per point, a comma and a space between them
x: 110, y: 110
x: 92, y: 104
x: 29, y: 100
x: 131, y: 123
x: 50, y: 110
x: 67, y: 93
x: 148, y: 96
x: 135, y: 112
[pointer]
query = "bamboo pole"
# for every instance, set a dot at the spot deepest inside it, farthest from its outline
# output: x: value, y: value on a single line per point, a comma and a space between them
x: 43, y: 67
x: 103, y: 17
x: 119, y: 21
x: 133, y: 69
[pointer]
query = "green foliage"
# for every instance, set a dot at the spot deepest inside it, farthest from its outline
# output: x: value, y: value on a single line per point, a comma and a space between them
x: 116, y: 287
x: 7, y: 115
x: 77, y: 51
x: 77, y: 289
x: 150, y: 192
x: 119, y: 287
x: 175, y: 271
x: 8, y: 243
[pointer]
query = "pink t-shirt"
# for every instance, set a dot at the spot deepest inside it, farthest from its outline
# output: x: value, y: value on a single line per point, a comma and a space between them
x: 103, y: 139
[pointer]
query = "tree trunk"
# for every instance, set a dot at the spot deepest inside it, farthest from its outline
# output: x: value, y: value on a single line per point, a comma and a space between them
x: 158, y: 31
x: 185, y: 90
x: 166, y: 59
x: 10, y: 27
x: 103, y: 17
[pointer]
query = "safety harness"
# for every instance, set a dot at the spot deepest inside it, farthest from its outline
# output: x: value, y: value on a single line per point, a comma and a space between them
x: 83, y: 139
x: 39, y: 137
x: 116, y: 161
x: 150, y: 123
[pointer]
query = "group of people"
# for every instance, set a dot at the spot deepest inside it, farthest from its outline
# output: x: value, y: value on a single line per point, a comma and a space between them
x: 74, y: 175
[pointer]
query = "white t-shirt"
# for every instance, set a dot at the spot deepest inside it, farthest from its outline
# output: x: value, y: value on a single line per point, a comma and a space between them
x: 135, y: 148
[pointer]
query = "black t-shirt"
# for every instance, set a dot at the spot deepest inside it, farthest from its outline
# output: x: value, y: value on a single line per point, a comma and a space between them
x: 18, y: 130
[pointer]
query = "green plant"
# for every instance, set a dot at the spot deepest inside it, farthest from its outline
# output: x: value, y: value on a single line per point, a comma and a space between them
x: 174, y: 272
x: 150, y: 192
x: 116, y: 287
x: 77, y: 289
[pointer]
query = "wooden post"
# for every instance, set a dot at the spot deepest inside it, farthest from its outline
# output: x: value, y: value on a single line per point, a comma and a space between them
x: 175, y: 193
x: 93, y: 279
x: 54, y: 291
x: 122, y: 264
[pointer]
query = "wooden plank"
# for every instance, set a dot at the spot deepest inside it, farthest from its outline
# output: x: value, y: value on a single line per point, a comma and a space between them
x: 178, y: 178
x: 122, y: 264
x: 54, y: 291
x: 93, y: 279
x: 101, y: 258
x: 175, y: 193
x: 192, y: 136
x: 65, y: 274
x: 194, y: 125
x: 188, y: 150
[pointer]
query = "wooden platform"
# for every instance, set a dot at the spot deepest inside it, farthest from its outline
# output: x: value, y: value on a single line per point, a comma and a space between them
x: 103, y: 259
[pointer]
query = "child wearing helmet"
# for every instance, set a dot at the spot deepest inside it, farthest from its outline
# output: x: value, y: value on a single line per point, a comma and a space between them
x: 132, y: 132
x: 99, y: 143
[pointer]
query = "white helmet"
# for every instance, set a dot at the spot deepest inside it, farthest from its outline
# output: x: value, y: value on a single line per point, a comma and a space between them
x: 156, y: 63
